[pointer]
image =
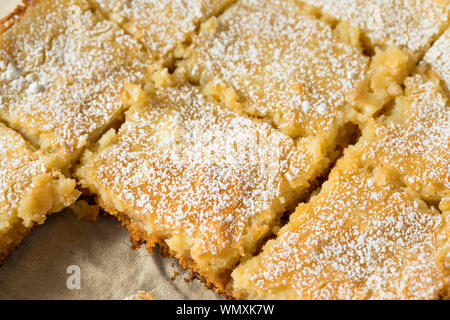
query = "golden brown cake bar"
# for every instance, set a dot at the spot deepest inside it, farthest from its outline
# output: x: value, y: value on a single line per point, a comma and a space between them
x: 438, y: 58
x: 141, y: 295
x: 62, y: 70
x: 236, y: 111
x: 271, y: 60
x: 161, y: 25
x: 364, y: 236
x: 30, y: 189
x: 411, y: 25
x: 206, y: 183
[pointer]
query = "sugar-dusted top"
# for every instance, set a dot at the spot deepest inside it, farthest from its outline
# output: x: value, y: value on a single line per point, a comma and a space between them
x: 161, y: 24
x: 61, y: 74
x: 190, y: 168
x: 361, y: 237
x: 409, y: 24
x: 438, y: 57
x: 415, y: 139
x: 141, y: 295
x: 284, y: 65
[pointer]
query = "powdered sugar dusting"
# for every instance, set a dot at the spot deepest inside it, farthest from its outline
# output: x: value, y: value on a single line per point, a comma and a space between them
x: 161, y: 24
x: 62, y: 75
x: 141, y: 295
x: 417, y: 141
x: 18, y: 165
x: 355, y: 240
x: 284, y: 65
x: 186, y: 166
x: 439, y: 57
x: 410, y: 24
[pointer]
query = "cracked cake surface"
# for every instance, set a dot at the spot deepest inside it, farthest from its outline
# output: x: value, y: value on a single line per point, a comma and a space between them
x: 161, y: 25
x: 438, y: 58
x: 208, y: 182
x: 362, y: 237
x: 374, y: 230
x: 270, y: 60
x: 62, y: 70
x: 30, y: 189
x: 414, y: 139
x: 411, y: 25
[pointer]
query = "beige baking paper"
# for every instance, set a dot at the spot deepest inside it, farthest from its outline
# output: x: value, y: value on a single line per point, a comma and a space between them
x: 68, y: 258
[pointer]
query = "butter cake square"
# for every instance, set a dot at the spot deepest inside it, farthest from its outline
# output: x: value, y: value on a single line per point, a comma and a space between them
x: 413, y: 139
x: 207, y: 184
x: 161, y: 25
x: 30, y: 189
x: 363, y: 236
x: 62, y: 71
x: 271, y: 60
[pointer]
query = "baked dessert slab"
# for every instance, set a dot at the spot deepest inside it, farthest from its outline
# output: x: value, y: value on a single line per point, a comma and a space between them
x: 437, y: 59
x: 363, y: 236
x: 411, y: 25
x: 30, y: 189
x: 207, y: 184
x: 273, y: 60
x: 62, y: 71
x: 413, y: 140
x: 161, y: 25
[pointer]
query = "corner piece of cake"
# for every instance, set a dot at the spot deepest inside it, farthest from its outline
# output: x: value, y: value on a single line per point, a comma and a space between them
x: 363, y: 236
x: 411, y: 25
x: 207, y: 184
x: 161, y: 25
x: 62, y: 71
x: 30, y: 189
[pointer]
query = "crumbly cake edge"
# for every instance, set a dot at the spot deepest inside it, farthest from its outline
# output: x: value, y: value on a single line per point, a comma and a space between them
x: 139, y: 236
x: 15, y: 245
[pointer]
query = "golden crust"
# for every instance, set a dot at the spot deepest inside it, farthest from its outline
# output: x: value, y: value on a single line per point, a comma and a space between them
x: 411, y: 25
x: 160, y: 25
x: 374, y: 198
x: 414, y: 139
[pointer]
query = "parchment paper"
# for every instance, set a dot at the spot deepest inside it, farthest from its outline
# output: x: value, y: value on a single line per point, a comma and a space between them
x: 109, y: 268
